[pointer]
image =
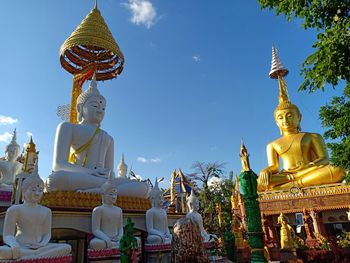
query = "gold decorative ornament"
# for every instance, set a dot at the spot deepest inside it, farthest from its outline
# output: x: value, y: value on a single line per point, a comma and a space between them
x: 92, y: 44
x: 90, y: 200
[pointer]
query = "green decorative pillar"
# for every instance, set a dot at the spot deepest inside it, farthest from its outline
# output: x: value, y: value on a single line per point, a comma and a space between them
x: 248, y: 182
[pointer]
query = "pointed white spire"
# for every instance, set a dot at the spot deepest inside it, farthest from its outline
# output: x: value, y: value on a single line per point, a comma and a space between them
x: 155, y: 190
x: 277, y: 68
x: 122, y: 167
x: 14, y: 139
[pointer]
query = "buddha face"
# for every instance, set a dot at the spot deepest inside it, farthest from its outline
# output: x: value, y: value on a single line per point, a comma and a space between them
x: 110, y: 196
x: 158, y: 200
x: 122, y: 171
x: 92, y: 111
x: 34, y: 192
x: 12, y: 152
x: 288, y: 120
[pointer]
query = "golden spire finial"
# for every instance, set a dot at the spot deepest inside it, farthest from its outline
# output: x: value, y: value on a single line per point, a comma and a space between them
x: 96, y: 4
x: 244, y: 157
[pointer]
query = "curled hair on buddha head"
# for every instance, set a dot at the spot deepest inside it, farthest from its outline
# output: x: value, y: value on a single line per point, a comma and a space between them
x: 108, y: 185
x: 91, y: 91
x: 32, y: 179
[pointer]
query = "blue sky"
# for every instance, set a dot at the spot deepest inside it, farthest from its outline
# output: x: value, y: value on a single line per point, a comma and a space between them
x: 195, y: 80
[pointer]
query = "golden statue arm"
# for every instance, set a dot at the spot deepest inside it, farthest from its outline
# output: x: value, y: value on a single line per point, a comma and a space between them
x: 319, y: 150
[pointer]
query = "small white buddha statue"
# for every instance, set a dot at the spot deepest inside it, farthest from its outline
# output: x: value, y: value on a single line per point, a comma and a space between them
x: 27, y: 227
x: 107, y: 219
x: 156, y: 219
x: 10, y: 167
x: 84, y: 153
x: 193, y: 207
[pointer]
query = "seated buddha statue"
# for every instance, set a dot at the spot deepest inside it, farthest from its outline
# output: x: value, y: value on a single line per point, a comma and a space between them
x: 193, y: 215
x: 107, y: 219
x: 27, y: 227
x: 10, y: 167
x: 156, y: 219
x: 84, y: 153
x: 304, y: 155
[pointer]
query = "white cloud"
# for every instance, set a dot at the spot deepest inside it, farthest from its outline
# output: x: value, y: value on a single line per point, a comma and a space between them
x: 29, y: 134
x: 142, y: 159
x: 196, y: 58
x: 143, y: 12
x: 5, y: 137
x: 5, y: 120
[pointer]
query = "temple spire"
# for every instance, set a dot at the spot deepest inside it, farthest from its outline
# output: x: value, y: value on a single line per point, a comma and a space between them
x: 278, y: 71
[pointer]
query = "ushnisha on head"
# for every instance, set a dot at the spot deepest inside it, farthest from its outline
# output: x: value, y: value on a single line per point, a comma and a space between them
x: 193, y: 202
x: 12, y: 149
x: 33, y: 186
x: 91, y: 104
x: 156, y: 195
x: 109, y: 191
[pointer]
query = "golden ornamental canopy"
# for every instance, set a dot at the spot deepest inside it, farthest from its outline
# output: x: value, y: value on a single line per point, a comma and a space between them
x: 91, y: 45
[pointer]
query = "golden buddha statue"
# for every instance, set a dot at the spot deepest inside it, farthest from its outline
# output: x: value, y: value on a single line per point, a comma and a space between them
x: 288, y: 237
x: 304, y: 155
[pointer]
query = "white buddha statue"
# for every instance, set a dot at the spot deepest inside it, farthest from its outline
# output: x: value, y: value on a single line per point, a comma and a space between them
x: 156, y: 219
x: 27, y: 227
x: 10, y: 167
x: 84, y: 153
x: 107, y: 219
x: 193, y: 207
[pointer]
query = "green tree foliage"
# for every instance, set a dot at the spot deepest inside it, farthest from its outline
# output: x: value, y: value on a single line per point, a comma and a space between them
x: 330, y: 63
x: 336, y: 118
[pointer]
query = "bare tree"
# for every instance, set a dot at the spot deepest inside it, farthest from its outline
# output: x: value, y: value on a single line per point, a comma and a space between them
x: 203, y: 172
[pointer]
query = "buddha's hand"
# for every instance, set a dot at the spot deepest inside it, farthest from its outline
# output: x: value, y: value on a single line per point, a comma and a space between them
x: 101, y: 172
x: 34, y: 246
x: 264, y: 177
x: 108, y: 243
x: 16, y: 251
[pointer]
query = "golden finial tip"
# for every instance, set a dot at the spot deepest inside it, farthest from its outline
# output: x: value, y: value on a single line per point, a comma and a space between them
x: 277, y: 68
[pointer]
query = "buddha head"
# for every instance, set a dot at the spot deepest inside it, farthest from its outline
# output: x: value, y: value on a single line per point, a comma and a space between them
x: 156, y: 196
x: 122, y: 167
x: 12, y: 150
x: 33, y: 187
x: 109, y: 191
x: 282, y: 219
x: 288, y: 118
x: 91, y: 105
x: 192, y: 202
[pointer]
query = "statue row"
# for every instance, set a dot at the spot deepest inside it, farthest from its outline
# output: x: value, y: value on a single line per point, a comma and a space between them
x: 27, y: 226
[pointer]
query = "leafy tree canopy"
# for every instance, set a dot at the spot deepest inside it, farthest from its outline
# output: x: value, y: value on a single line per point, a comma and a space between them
x: 330, y: 63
